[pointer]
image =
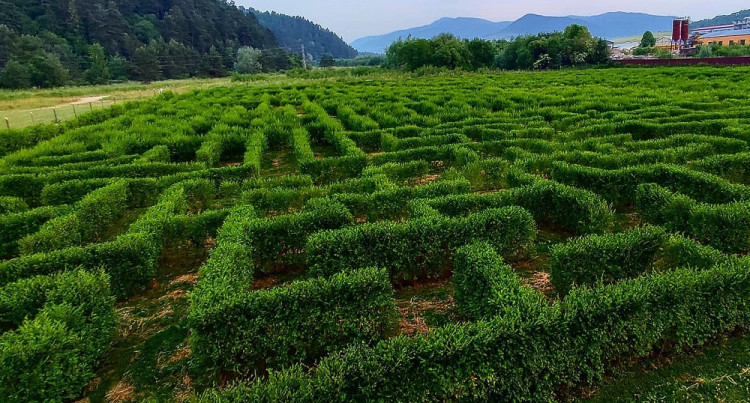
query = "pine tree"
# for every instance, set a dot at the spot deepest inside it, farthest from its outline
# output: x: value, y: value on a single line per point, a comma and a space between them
x: 98, y: 73
x: 145, y: 64
x: 327, y: 61
x: 212, y: 64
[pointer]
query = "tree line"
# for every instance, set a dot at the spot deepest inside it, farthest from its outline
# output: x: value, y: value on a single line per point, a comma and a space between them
x: 53, y: 43
x: 573, y: 47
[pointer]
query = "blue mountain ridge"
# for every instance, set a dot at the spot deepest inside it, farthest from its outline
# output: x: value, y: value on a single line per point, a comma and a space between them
x: 608, y: 25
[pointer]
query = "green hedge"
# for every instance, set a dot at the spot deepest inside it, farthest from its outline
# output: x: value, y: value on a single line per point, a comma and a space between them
x: 390, y: 143
x: 733, y: 167
x: 195, y: 228
x: 417, y: 249
x: 403, y: 171
x: 604, y: 258
x: 71, y: 191
x: 569, y: 208
x: 130, y: 261
x: 18, y: 225
x: 722, y: 226
x: 509, y: 359
x: 52, y: 356
x: 24, y: 186
x: 88, y: 221
x: 257, y: 144
x: 392, y: 203
x: 619, y: 186
x: 10, y: 204
x: 443, y: 153
x: 301, y: 146
x: 485, y: 287
x: 282, y: 239
x: 333, y: 169
x: 301, y: 322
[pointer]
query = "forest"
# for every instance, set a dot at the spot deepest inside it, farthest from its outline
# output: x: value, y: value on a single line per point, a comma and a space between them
x: 295, y: 32
x: 50, y: 44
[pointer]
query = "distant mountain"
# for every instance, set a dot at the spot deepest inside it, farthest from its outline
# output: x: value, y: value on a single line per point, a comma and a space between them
x: 461, y: 27
x: 722, y: 19
x: 531, y: 24
x: 608, y: 25
x: 293, y: 32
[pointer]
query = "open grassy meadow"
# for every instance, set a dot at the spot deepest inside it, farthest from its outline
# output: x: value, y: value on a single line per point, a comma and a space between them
x: 520, y: 236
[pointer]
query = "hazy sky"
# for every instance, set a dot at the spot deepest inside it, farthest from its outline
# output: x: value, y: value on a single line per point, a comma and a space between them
x: 356, y: 18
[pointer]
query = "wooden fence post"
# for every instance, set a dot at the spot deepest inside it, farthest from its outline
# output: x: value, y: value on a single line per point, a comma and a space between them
x: 32, y: 119
x: 74, y: 111
x: 54, y: 110
x: 7, y: 123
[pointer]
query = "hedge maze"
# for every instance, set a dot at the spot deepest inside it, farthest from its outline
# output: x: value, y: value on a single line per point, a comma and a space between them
x: 577, y: 220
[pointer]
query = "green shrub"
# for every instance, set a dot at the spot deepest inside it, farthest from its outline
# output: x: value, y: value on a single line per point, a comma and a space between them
x: 604, y: 258
x: 88, y: 221
x: 18, y: 225
x: 71, y: 191
x: 281, y: 240
x: 10, y: 204
x: 571, y: 209
x: 130, y: 261
x: 723, y: 226
x: 619, y: 186
x: 301, y: 322
x: 417, y: 249
x: 52, y: 356
x: 509, y: 359
x: 485, y: 287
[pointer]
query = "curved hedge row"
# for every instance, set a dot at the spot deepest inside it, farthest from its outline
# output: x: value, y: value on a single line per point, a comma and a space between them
x: 52, y: 355
x: 418, y: 248
x: 619, y: 186
x: 723, y: 226
x: 511, y: 359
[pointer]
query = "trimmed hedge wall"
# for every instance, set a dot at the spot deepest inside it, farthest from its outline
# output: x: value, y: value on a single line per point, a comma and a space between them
x: 572, y: 209
x: 732, y: 167
x: 10, y: 205
x: 420, y: 248
x: 601, y: 259
x: 53, y: 354
x: 298, y: 323
x: 511, y: 359
x: 619, y: 186
x: 15, y: 226
x: 723, y: 226
x: 89, y: 219
x: 604, y: 258
x: 485, y: 287
x: 282, y: 239
x: 130, y: 260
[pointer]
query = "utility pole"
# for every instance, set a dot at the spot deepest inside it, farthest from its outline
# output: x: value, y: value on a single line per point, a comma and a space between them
x: 304, y: 58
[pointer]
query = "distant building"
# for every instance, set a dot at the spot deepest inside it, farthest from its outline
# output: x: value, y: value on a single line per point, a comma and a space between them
x: 725, y: 35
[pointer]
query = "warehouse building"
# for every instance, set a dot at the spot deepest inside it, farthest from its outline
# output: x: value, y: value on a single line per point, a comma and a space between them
x: 725, y: 35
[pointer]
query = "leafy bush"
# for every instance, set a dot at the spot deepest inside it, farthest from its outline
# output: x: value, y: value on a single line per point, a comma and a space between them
x: 604, y: 258
x: 723, y: 226
x: 485, y: 287
x: 53, y: 354
x: 300, y: 322
x: 420, y: 248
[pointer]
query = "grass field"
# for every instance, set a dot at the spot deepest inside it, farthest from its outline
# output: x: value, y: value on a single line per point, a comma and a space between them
x: 27, y: 107
x: 519, y: 236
